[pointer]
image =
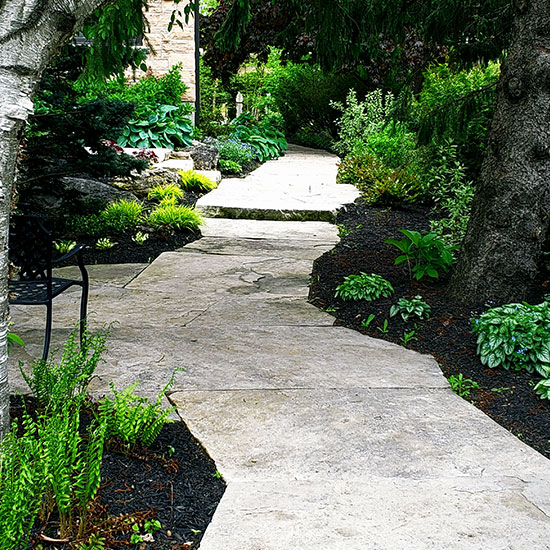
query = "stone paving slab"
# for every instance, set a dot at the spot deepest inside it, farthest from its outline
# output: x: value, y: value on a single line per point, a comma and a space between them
x: 345, y: 434
x: 199, y: 274
x: 448, y: 514
x: 283, y: 190
x: 252, y: 311
x: 112, y: 274
x: 236, y: 357
x: 288, y: 249
x: 269, y: 229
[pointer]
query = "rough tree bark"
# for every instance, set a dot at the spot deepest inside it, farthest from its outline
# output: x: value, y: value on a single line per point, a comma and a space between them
x: 509, y: 223
x: 31, y: 31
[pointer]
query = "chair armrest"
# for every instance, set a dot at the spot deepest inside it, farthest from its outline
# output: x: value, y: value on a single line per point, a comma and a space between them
x: 75, y: 250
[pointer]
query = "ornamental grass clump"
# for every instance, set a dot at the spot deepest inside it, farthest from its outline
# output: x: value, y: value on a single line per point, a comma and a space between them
x: 364, y: 287
x: 515, y: 337
x: 193, y: 181
x: 163, y: 192
x: 175, y: 216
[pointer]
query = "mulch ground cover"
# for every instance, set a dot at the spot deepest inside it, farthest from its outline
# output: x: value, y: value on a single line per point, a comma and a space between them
x: 174, y: 481
x: 507, y: 397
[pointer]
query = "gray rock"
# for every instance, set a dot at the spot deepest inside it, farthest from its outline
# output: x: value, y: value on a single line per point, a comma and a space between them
x: 77, y: 194
x: 141, y: 184
x: 205, y: 157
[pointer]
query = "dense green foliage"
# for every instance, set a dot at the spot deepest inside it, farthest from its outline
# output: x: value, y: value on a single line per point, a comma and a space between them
x: 267, y: 142
x: 50, y: 466
x: 414, y: 307
x: 364, y: 287
x: 195, y: 182
x: 426, y: 255
x: 515, y: 337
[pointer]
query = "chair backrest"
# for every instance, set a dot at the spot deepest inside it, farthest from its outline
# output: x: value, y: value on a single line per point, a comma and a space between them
x: 30, y: 248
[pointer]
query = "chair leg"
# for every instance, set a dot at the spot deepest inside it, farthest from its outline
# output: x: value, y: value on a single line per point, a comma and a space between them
x: 83, y: 311
x: 48, y: 333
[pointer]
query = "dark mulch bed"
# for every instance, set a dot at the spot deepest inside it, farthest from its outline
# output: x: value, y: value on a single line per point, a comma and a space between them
x: 173, y: 481
x: 127, y: 251
x: 507, y: 397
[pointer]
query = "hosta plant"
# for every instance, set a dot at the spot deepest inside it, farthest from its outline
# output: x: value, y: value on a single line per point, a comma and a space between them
x: 515, y: 337
x: 166, y: 126
x: 426, y: 255
x: 408, y: 308
x: 364, y: 287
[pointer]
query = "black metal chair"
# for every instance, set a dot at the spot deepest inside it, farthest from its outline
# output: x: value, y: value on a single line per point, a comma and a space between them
x: 31, y: 251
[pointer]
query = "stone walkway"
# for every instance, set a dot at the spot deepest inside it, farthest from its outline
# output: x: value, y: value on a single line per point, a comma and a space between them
x: 326, y: 438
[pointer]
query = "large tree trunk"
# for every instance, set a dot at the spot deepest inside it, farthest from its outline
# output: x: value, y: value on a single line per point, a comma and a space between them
x: 31, y: 31
x: 502, y: 252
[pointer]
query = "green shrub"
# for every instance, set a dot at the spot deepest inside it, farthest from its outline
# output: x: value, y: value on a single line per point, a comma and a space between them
x: 193, y: 181
x: 172, y: 216
x: 162, y: 192
x: 233, y: 149
x: 393, y: 144
x: 378, y: 183
x: 515, y: 337
x: 359, y: 120
x: 363, y: 287
x: 446, y: 184
x: 458, y: 105
x: 413, y: 307
x: 302, y: 93
x: 164, y: 126
x: 267, y: 142
x: 122, y: 214
x: 230, y: 166
x: 425, y: 255
x: 147, y: 93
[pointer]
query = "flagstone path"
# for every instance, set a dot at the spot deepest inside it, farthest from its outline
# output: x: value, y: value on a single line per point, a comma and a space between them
x: 326, y: 438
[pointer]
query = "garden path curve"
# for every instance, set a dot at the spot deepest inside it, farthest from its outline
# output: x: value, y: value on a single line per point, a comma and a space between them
x: 326, y: 438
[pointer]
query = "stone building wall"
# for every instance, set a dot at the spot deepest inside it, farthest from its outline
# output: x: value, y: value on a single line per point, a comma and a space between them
x: 171, y: 47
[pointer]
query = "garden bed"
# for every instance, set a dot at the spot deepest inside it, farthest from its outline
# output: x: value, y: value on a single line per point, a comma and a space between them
x: 506, y: 396
x: 174, y: 481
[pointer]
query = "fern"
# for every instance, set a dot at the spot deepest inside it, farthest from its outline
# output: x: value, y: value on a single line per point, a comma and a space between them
x: 53, y: 384
x: 133, y: 418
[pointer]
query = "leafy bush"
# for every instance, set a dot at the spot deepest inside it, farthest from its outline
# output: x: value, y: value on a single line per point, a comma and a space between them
x: 364, y: 287
x: 120, y: 215
x: 414, y: 307
x: 234, y: 150
x: 147, y: 93
x: 193, y: 181
x: 359, y: 120
x: 230, y: 167
x: 543, y: 388
x: 267, y: 141
x: 515, y: 337
x: 376, y: 181
x: 445, y: 183
x: 161, y: 192
x: 172, y: 216
x: 164, y: 126
x: 428, y: 253
x: 302, y: 92
x: 458, y: 105
x: 393, y: 144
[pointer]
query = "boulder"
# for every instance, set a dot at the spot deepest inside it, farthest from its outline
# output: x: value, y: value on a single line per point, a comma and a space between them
x: 140, y: 184
x: 205, y: 157
x: 76, y: 195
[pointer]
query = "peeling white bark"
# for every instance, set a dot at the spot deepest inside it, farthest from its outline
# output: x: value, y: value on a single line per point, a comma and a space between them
x: 31, y: 31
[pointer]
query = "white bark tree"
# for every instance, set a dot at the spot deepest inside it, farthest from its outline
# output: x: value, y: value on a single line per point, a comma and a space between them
x: 31, y: 32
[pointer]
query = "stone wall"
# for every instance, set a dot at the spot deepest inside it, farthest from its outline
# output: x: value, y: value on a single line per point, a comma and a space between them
x: 171, y: 47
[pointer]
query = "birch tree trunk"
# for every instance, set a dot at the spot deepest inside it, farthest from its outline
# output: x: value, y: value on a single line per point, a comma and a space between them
x: 502, y: 252
x: 31, y: 31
